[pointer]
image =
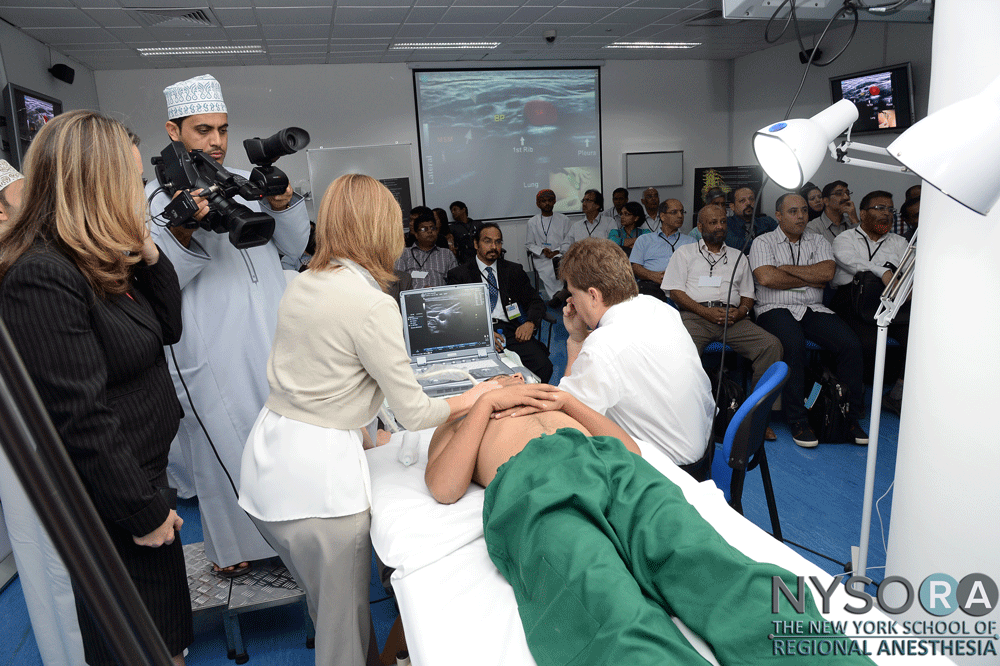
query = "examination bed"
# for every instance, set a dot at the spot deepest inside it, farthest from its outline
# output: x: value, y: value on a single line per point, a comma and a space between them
x: 456, y: 607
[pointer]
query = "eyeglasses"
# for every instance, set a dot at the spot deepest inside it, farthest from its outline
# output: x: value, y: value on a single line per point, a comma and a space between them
x: 424, y: 230
x: 881, y: 207
x: 841, y: 193
x: 589, y: 200
x: 488, y: 242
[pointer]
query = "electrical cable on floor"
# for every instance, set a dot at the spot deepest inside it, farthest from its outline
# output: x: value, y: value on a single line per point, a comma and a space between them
x: 817, y: 553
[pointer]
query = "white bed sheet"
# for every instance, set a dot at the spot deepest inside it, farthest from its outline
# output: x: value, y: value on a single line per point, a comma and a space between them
x: 456, y: 607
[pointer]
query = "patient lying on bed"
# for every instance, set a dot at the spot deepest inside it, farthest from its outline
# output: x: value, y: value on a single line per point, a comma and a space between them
x: 599, y: 547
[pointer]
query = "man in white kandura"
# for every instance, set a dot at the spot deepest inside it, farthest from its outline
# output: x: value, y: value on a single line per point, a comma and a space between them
x: 230, y: 310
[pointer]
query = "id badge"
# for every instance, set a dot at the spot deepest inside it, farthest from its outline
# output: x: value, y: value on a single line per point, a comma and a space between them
x: 710, y: 281
x: 418, y: 275
x: 548, y: 245
x: 513, y: 312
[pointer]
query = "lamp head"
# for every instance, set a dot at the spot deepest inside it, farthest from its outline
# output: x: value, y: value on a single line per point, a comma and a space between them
x: 791, y: 151
x: 958, y: 157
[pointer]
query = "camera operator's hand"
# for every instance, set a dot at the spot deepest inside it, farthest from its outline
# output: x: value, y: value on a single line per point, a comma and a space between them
x: 183, y: 234
x: 280, y: 201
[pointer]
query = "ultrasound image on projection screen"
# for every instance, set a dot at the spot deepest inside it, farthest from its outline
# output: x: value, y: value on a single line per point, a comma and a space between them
x: 493, y: 138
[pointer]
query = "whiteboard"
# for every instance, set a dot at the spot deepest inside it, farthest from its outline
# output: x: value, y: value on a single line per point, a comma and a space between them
x: 656, y: 169
x: 390, y: 162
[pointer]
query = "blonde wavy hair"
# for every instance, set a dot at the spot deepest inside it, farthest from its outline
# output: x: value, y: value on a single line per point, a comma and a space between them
x: 83, y: 195
x: 359, y: 220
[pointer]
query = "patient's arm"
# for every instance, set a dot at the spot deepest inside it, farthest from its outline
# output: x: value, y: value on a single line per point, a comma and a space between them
x: 453, y: 452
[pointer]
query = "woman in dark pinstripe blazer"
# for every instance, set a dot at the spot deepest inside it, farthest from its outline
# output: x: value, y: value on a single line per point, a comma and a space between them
x: 89, y: 302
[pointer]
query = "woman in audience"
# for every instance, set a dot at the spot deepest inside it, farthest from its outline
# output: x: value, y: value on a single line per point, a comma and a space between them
x: 814, y: 199
x: 445, y: 239
x: 633, y: 217
x: 90, y: 302
x: 338, y: 351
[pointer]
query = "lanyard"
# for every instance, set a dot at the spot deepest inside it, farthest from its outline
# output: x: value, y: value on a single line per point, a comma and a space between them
x: 871, y: 253
x: 417, y: 261
x: 711, y: 264
x: 590, y: 232
x: 672, y: 245
x: 546, y: 229
x: 795, y: 258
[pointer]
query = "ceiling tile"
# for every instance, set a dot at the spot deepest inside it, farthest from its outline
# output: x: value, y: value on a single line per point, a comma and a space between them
x: 295, y: 31
x: 384, y: 31
x: 356, y: 15
x: 239, y: 16
x: 244, y: 33
x: 491, y: 15
x: 46, y: 17
x: 111, y: 18
x: 463, y: 31
x: 294, y: 15
x: 414, y: 31
x: 426, y: 14
x: 57, y: 36
x: 575, y: 14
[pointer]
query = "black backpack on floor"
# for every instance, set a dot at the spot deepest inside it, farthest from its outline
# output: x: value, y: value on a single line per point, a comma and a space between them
x: 731, y: 397
x: 827, y: 402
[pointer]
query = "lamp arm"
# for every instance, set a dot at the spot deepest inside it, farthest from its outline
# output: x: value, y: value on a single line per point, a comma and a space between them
x: 839, y: 153
x: 900, y: 286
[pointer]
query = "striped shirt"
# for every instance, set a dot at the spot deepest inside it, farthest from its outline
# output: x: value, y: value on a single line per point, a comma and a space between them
x: 431, y: 267
x: 774, y: 249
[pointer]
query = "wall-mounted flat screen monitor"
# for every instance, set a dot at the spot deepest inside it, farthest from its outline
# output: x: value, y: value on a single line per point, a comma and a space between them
x: 492, y: 138
x: 884, y: 98
x: 26, y: 112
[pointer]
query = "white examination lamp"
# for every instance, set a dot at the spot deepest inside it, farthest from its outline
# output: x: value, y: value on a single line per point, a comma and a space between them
x: 792, y: 150
x: 957, y: 149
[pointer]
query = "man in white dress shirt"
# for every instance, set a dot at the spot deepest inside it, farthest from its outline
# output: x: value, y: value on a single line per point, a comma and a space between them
x: 593, y: 224
x: 630, y: 358
x: 873, y: 252
x: 230, y: 311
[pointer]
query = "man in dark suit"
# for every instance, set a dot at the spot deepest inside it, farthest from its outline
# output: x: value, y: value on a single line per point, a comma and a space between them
x: 517, y: 308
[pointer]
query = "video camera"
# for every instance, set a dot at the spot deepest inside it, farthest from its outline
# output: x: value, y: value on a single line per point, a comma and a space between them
x: 178, y: 169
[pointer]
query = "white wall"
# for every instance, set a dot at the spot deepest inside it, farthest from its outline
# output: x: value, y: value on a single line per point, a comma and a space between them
x: 646, y: 105
x: 25, y: 61
x: 765, y: 81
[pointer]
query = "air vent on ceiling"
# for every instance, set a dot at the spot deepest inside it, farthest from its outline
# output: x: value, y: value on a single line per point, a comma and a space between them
x: 174, y: 17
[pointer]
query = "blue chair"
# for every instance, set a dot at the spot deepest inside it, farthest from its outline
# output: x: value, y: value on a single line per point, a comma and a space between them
x: 743, y: 446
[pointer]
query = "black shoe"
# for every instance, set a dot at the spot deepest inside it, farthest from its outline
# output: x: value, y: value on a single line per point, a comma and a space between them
x: 857, y: 434
x: 558, y: 300
x: 890, y: 404
x: 803, y: 435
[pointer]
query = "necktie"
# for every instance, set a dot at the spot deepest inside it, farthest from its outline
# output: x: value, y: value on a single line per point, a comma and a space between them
x: 494, y: 290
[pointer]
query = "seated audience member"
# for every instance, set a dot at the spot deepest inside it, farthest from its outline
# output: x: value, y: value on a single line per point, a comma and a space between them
x: 814, y: 198
x: 415, y: 212
x: 631, y: 227
x: 11, y: 184
x: 463, y: 230
x: 870, y: 255
x: 791, y: 266
x: 444, y: 231
x: 652, y: 252
x: 426, y: 263
x: 614, y: 213
x: 639, y: 367
x: 546, y: 240
x: 742, y: 225
x: 715, y: 197
x: 593, y: 224
x: 702, y: 294
x: 838, y: 214
x: 567, y: 495
x: 517, y: 308
x: 909, y: 215
x: 651, y: 203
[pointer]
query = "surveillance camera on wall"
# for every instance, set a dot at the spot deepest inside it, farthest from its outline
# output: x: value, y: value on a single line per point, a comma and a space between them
x: 550, y: 36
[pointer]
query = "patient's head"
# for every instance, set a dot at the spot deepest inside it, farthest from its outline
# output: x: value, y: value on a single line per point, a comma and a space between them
x: 359, y: 220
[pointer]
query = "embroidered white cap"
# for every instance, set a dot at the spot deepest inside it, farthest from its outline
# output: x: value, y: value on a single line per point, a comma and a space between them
x: 202, y: 94
x: 8, y: 175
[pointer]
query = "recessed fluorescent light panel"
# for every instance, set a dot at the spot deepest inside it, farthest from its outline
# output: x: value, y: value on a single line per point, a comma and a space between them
x: 444, y: 45
x: 200, y: 50
x: 653, y: 45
